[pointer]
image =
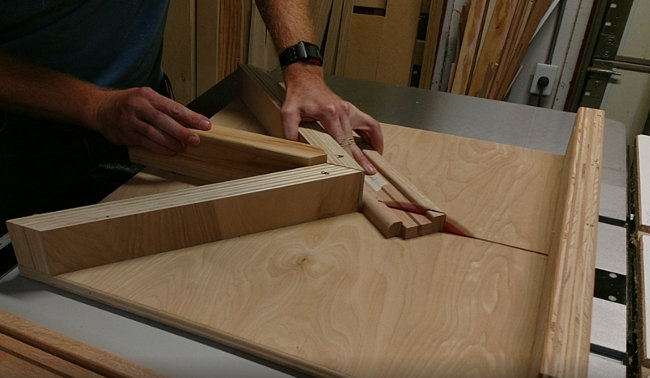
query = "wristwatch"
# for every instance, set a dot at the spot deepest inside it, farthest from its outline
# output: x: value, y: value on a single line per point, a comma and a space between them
x: 301, y: 52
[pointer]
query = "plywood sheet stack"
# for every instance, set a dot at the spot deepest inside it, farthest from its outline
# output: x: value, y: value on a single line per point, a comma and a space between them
x: 495, y: 36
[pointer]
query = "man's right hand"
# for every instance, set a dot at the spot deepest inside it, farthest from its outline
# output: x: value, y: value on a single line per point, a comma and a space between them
x: 142, y: 117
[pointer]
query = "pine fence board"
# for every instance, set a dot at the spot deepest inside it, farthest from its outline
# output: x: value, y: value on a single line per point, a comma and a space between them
x: 565, y: 316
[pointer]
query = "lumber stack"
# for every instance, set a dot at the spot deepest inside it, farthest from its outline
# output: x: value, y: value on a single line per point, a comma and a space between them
x: 495, y: 36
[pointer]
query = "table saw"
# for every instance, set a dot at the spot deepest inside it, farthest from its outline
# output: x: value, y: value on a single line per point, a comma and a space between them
x: 343, y: 281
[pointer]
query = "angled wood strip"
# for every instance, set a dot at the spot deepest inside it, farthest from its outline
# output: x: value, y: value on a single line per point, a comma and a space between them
x: 493, y: 46
x: 563, y: 333
x: 69, y: 240
x: 227, y: 154
x: 643, y: 182
x: 62, y: 354
x: 469, y: 47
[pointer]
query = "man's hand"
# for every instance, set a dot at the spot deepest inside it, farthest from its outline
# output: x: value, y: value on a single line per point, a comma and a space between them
x: 142, y: 117
x: 309, y: 99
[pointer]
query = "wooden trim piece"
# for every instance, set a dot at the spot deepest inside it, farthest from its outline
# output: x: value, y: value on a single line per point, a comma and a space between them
x: 60, y: 354
x: 227, y: 154
x: 67, y: 240
x: 562, y: 341
x: 643, y: 183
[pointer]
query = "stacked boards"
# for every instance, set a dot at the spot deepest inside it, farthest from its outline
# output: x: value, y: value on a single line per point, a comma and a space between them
x: 495, y: 37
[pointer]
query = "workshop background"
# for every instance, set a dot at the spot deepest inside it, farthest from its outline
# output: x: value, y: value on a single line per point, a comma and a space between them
x: 594, y: 52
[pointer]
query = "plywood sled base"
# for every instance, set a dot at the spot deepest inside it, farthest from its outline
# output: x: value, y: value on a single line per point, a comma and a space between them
x: 333, y: 297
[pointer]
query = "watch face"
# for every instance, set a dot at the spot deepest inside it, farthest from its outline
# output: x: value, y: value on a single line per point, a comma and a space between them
x: 301, y: 52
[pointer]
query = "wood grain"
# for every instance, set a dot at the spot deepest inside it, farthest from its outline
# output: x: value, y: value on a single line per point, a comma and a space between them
x: 469, y: 47
x: 643, y: 182
x: 565, y: 314
x: 333, y: 297
x: 228, y: 154
x: 500, y: 193
x: 27, y: 349
x: 493, y: 47
x: 70, y: 239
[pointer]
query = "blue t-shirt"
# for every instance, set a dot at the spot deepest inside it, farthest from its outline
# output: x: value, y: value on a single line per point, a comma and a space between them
x: 111, y: 43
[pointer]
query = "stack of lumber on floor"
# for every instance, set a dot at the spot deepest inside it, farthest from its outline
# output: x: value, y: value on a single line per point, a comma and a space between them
x: 495, y: 36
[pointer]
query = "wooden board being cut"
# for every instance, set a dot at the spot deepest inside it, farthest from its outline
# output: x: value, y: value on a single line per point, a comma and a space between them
x: 335, y: 297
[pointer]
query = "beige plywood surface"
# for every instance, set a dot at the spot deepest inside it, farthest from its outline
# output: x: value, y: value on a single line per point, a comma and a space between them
x: 498, y: 192
x: 333, y: 296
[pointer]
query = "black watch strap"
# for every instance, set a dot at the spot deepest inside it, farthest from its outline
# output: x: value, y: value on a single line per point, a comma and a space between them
x: 301, y: 52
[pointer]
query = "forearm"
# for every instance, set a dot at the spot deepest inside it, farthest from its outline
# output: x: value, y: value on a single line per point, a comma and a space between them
x: 288, y: 21
x: 44, y: 93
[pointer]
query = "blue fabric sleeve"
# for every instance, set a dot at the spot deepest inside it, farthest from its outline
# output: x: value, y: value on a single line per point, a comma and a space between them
x: 113, y: 43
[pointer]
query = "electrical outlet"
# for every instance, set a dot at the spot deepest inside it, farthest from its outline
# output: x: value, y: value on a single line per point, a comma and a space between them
x: 544, y: 70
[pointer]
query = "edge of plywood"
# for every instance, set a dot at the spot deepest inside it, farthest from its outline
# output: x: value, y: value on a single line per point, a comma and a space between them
x: 562, y: 342
x: 183, y: 324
